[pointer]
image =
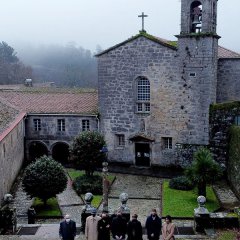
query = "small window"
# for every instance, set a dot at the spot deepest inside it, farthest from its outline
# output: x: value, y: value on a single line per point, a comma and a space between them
x: 37, y: 125
x: 120, y: 140
x: 85, y: 125
x: 61, y: 125
x: 237, y: 120
x: 192, y: 74
x: 167, y: 143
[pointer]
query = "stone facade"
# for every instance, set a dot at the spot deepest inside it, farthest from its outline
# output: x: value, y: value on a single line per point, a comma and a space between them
x: 11, y: 153
x: 48, y: 133
x: 183, y: 83
x: 228, y: 87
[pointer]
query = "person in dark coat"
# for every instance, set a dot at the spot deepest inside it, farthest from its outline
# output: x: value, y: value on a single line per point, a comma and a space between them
x: 104, y: 227
x: 67, y: 230
x: 134, y: 229
x: 153, y: 225
x: 119, y: 226
x: 31, y: 215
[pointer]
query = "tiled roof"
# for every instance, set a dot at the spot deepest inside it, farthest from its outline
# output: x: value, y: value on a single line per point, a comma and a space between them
x: 226, y: 53
x: 7, y: 115
x: 222, y: 52
x: 52, y: 102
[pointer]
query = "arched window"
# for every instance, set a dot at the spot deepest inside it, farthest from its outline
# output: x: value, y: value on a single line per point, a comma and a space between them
x: 196, y: 17
x: 143, y: 95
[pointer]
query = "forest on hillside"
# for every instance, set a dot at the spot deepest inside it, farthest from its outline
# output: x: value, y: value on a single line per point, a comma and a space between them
x: 12, y: 70
x: 65, y: 66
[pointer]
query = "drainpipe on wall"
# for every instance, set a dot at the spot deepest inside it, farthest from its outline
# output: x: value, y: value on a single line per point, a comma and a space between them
x: 98, y: 123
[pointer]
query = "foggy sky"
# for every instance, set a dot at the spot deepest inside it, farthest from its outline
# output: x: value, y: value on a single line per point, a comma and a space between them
x: 104, y: 22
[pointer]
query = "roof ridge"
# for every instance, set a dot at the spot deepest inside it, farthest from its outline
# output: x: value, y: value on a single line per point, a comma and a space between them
x: 140, y: 34
x: 229, y: 50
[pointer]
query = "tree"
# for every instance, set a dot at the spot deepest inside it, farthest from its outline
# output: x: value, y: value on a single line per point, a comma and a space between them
x: 44, y: 178
x: 203, y: 170
x: 86, y: 151
x: 12, y: 70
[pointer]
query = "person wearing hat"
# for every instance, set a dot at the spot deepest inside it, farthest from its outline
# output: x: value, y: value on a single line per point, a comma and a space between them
x: 91, y: 227
x: 67, y: 230
x: 153, y: 225
x: 119, y: 226
x: 134, y: 229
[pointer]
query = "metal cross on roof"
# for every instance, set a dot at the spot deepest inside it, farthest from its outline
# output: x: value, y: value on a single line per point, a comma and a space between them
x: 142, y: 16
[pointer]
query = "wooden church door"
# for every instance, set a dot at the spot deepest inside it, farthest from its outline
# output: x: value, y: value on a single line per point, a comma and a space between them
x: 142, y: 154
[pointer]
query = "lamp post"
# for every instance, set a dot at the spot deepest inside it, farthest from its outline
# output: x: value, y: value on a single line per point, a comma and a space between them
x: 105, y: 180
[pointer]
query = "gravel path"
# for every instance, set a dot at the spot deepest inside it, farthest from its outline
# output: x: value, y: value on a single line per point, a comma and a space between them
x: 21, y: 202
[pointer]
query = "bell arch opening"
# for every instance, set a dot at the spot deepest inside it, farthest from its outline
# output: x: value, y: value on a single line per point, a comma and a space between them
x: 196, y: 17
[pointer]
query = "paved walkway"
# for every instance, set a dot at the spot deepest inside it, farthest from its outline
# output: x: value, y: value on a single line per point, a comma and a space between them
x: 70, y: 203
x: 144, y: 194
x: 225, y: 195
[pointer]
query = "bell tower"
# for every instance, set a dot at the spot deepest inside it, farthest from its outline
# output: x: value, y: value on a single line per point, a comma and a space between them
x: 197, y: 53
x: 198, y: 16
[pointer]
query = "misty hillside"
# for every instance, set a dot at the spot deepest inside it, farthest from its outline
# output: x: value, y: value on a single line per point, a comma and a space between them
x: 12, y: 70
x: 66, y: 66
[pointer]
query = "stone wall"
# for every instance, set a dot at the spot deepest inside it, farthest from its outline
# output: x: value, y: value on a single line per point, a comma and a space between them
x: 234, y: 159
x: 222, y: 117
x: 228, y: 88
x: 49, y: 133
x: 11, y: 154
x: 179, y: 101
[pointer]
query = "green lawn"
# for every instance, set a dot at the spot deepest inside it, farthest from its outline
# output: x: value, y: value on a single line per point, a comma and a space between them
x: 52, y: 208
x: 182, y: 203
x: 73, y: 173
x: 96, y: 200
x: 226, y: 235
x: 77, y: 173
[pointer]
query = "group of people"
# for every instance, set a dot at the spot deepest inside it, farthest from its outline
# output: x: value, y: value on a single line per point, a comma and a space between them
x: 101, y: 228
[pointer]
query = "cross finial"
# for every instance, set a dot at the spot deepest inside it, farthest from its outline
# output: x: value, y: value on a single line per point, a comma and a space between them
x: 143, y: 16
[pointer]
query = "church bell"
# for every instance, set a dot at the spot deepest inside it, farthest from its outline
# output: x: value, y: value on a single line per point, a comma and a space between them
x: 196, y: 20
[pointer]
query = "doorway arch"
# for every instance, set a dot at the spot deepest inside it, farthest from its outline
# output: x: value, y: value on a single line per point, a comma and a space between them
x: 36, y: 150
x: 60, y: 152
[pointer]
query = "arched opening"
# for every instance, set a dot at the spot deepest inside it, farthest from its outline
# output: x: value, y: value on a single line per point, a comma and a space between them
x: 60, y: 152
x: 36, y: 150
x: 196, y: 17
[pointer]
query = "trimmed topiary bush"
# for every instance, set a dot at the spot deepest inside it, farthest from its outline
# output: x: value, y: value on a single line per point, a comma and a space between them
x: 181, y: 183
x: 84, y: 184
x: 44, y: 179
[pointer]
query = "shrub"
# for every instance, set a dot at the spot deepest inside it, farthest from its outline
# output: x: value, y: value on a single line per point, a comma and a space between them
x: 181, y: 183
x: 44, y: 179
x: 84, y: 184
x: 203, y: 170
x: 86, y: 151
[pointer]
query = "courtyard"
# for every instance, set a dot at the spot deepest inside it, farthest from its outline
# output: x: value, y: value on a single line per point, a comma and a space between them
x: 145, y: 193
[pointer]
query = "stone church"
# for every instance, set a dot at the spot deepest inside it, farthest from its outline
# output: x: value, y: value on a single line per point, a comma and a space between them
x: 155, y: 94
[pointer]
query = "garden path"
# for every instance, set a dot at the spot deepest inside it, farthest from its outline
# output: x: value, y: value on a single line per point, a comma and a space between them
x: 225, y: 195
x: 70, y: 203
x: 21, y: 202
x: 144, y: 194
